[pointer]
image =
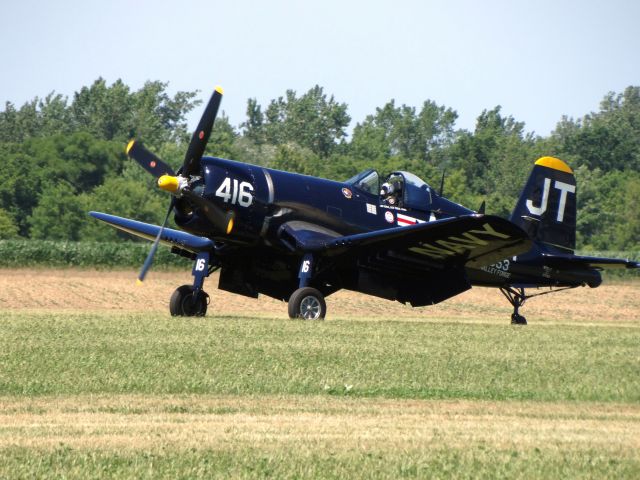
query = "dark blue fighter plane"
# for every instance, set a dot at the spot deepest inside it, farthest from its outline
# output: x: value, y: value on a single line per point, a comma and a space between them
x: 300, y: 238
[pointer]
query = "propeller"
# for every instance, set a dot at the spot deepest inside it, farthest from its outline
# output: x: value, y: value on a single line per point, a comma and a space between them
x: 201, y: 135
x: 147, y: 160
x: 178, y: 185
x: 149, y: 260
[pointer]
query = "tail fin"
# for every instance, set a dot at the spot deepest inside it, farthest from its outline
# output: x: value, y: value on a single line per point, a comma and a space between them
x: 546, y: 209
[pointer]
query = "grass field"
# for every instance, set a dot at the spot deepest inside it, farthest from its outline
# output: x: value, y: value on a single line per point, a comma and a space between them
x: 96, y: 380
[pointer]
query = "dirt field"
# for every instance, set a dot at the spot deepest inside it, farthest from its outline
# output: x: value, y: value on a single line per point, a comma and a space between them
x: 87, y: 290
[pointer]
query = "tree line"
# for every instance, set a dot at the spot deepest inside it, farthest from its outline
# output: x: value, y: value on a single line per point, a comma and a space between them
x: 63, y: 157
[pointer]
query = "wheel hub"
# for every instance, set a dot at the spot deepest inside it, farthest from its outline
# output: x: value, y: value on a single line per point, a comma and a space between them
x: 310, y: 308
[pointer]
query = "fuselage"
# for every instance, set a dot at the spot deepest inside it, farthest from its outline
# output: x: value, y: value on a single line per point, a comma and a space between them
x: 265, y: 199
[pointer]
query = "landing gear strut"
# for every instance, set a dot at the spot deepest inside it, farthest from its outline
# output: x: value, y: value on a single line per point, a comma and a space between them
x: 307, y: 302
x: 192, y: 300
x: 516, y: 297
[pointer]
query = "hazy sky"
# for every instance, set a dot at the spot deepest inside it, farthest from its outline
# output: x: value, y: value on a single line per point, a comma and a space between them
x: 538, y: 59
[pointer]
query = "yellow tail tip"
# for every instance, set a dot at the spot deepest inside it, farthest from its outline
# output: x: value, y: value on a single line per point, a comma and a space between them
x: 129, y: 146
x: 555, y: 163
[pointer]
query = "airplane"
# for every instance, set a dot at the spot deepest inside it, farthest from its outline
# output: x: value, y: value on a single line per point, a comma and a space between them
x: 300, y: 238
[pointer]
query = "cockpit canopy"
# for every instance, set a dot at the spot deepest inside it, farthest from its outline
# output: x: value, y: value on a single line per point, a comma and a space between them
x: 400, y: 189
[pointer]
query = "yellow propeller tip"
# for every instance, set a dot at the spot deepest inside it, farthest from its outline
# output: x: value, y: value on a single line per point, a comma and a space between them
x: 219, y: 90
x: 129, y: 146
x: 139, y: 282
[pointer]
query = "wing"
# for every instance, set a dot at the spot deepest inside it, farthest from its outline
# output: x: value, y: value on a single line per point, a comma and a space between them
x: 174, y: 238
x: 470, y: 240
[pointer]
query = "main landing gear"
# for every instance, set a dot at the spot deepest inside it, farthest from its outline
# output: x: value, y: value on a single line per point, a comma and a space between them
x: 516, y: 297
x: 188, y: 302
x: 192, y: 300
x: 307, y: 302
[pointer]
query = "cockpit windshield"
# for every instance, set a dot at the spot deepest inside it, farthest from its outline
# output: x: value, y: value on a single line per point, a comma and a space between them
x: 412, y: 179
x: 417, y: 194
x: 367, y: 181
x: 399, y: 189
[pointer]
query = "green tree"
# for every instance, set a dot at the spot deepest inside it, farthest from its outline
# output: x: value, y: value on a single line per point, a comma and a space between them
x: 222, y: 140
x: 8, y: 227
x: 31, y: 167
x: 312, y: 121
x: 402, y: 132
x: 294, y: 158
x: 607, y: 214
x: 496, y: 159
x: 115, y: 113
x: 59, y: 214
x: 108, y: 112
x: 124, y: 197
x: 627, y: 230
x: 608, y: 139
x: 253, y: 127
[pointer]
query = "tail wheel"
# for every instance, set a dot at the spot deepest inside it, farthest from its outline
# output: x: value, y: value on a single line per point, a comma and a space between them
x: 307, y: 303
x: 185, y: 302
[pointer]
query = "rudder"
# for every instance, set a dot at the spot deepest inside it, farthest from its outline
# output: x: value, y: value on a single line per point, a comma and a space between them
x: 546, y: 209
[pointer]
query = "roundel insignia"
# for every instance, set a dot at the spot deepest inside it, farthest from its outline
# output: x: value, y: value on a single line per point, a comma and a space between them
x: 347, y: 193
x: 388, y: 216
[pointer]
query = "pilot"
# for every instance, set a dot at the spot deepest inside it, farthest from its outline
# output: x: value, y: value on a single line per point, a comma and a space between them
x: 391, y: 192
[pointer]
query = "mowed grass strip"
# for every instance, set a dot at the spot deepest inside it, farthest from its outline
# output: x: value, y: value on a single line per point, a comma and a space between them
x: 137, y: 436
x: 76, y: 354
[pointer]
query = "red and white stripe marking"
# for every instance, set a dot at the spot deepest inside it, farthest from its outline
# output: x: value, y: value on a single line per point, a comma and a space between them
x: 406, y: 220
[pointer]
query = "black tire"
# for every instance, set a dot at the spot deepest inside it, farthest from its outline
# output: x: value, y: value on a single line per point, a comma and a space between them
x: 183, y: 303
x: 518, y: 319
x: 307, y: 303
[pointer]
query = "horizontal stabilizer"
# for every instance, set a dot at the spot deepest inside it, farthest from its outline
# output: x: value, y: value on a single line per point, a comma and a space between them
x: 170, y: 237
x: 599, y: 263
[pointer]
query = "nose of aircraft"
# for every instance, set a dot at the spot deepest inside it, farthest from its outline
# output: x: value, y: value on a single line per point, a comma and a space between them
x: 168, y: 183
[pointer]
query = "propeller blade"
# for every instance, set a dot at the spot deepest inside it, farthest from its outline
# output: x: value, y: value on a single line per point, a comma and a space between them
x: 222, y: 220
x: 149, y: 260
x: 147, y: 160
x: 201, y: 135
